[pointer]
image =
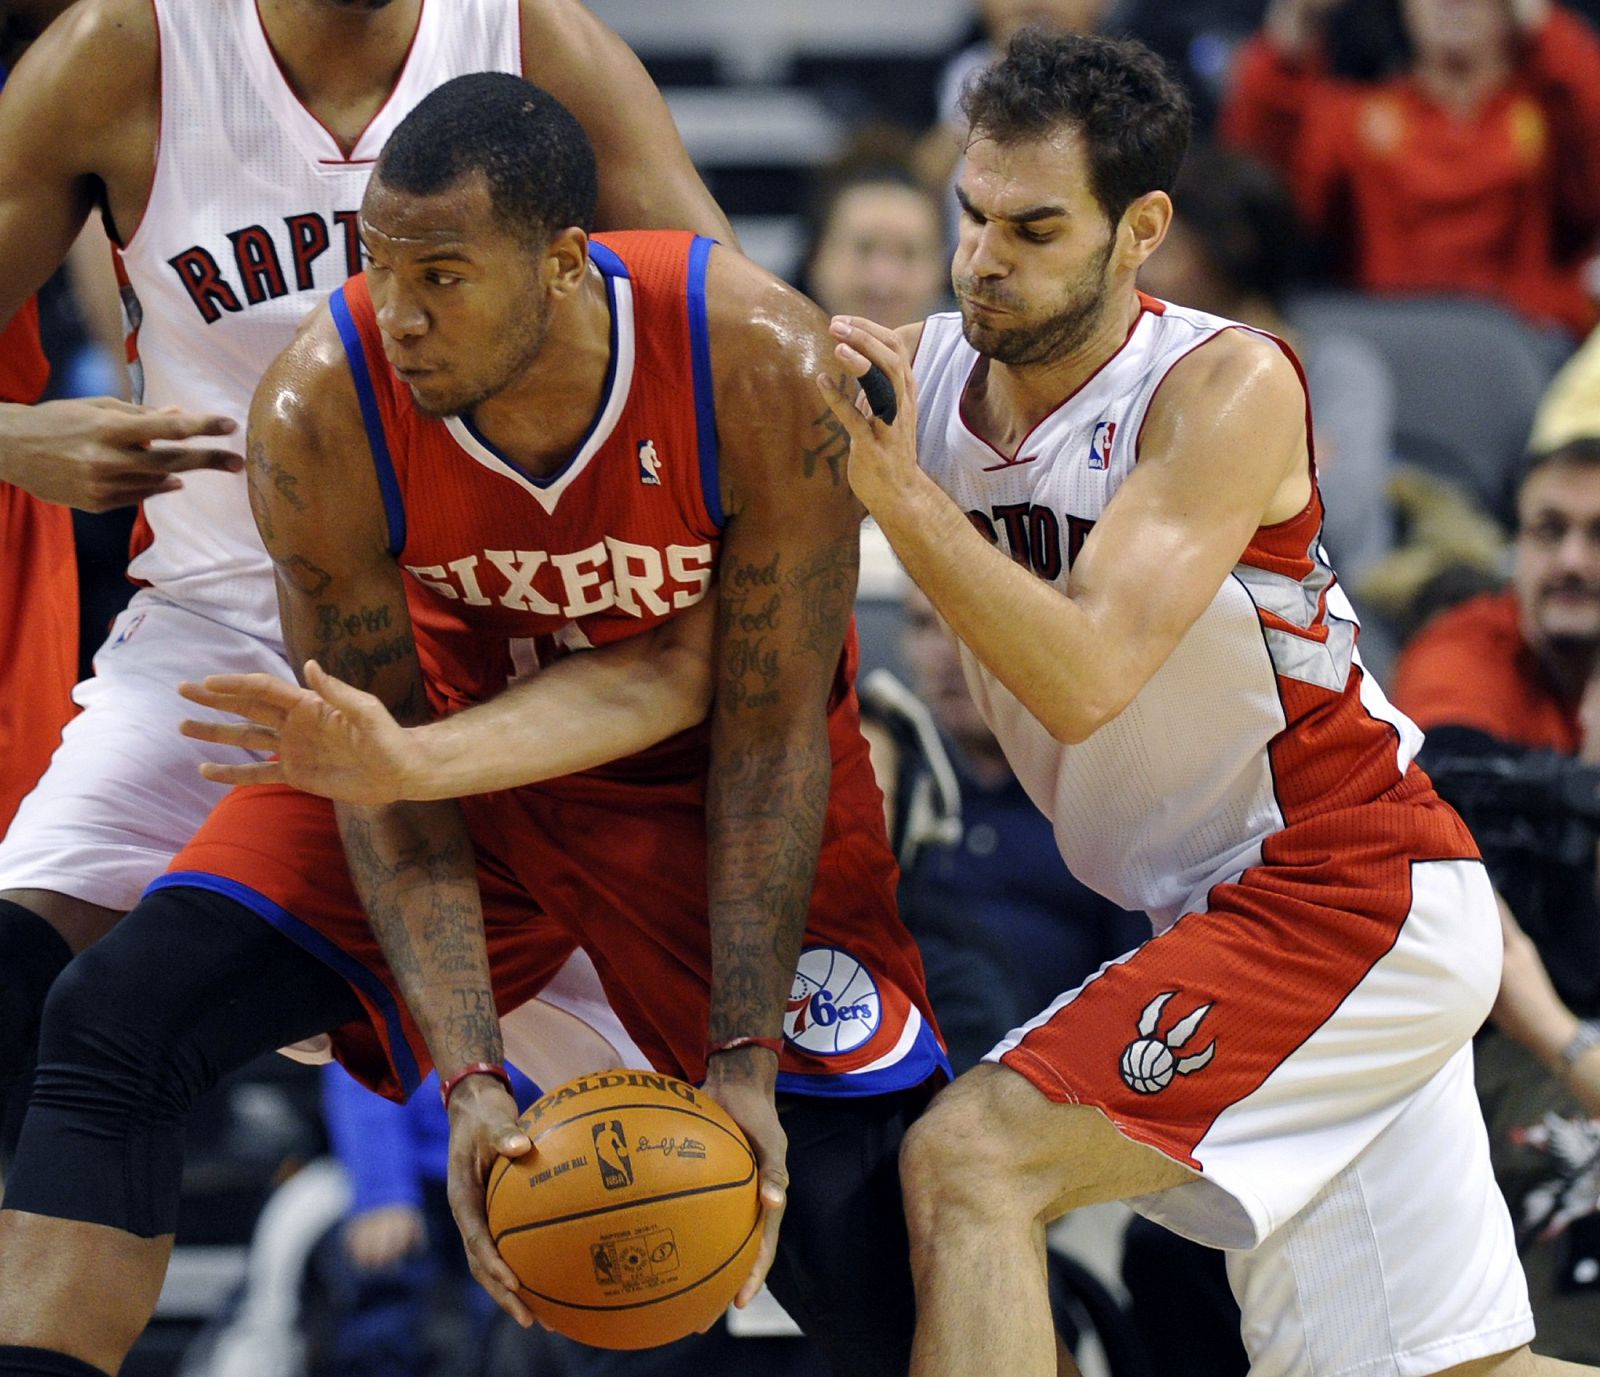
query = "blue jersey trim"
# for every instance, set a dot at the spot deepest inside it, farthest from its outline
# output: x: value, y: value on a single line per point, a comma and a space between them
x: 308, y: 939
x: 611, y: 268
x: 924, y: 1058
x: 607, y: 261
x: 705, y: 407
x: 356, y: 355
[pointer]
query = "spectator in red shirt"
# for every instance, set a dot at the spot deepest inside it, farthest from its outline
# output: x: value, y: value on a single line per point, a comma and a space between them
x: 1507, y: 688
x: 1475, y: 169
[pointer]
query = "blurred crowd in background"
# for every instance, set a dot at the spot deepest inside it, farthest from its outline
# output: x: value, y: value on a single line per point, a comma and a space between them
x: 1408, y: 191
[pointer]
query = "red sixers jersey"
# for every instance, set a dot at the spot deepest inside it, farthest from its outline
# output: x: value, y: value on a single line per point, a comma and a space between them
x: 39, y: 622
x: 507, y: 570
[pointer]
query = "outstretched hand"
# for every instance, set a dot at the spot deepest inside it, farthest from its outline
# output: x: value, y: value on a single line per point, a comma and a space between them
x: 329, y: 738
x: 747, y: 1094
x: 883, y: 455
x: 483, y: 1129
x: 98, y: 453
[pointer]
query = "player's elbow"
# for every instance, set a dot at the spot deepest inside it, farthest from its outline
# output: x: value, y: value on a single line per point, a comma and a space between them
x: 686, y: 686
x: 1075, y: 716
x: 1073, y: 725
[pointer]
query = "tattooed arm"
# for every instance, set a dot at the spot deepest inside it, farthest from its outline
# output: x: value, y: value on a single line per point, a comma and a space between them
x: 787, y: 578
x: 315, y: 496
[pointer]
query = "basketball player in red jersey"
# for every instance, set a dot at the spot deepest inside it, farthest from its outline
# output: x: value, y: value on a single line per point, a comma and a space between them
x: 505, y: 444
x: 226, y: 143
x: 1113, y: 502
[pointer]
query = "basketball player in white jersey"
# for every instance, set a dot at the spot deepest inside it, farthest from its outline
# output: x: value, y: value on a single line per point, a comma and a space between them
x: 1116, y: 510
x: 227, y: 144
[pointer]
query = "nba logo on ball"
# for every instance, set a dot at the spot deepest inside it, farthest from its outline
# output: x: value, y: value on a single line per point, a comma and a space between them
x: 1100, y: 445
x: 833, y: 1004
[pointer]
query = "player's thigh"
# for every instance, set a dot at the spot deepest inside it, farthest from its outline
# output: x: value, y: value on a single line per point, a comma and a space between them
x: 993, y: 1141
x: 123, y: 792
x: 843, y: 1267
x: 1403, y: 1263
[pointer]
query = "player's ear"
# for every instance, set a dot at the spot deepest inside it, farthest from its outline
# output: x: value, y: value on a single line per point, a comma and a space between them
x: 566, y: 260
x: 1144, y: 225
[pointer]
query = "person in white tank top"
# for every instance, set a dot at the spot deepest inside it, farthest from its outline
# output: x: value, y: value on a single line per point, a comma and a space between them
x: 1113, y: 503
x: 227, y: 143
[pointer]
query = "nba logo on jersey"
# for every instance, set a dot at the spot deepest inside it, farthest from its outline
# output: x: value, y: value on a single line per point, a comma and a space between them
x: 649, y: 464
x: 126, y: 634
x: 833, y: 1004
x: 1100, y: 445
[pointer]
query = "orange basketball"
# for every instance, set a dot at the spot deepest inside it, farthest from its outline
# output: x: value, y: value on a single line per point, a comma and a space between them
x: 634, y: 1220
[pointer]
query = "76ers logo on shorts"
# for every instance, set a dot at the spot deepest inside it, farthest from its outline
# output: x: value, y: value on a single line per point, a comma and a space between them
x: 833, y: 1004
x: 1100, y: 445
x: 1149, y: 1062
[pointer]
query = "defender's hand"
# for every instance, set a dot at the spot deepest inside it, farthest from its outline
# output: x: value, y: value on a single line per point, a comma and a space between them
x: 330, y: 739
x: 483, y: 1129
x: 98, y: 453
x: 742, y: 1082
x: 883, y: 456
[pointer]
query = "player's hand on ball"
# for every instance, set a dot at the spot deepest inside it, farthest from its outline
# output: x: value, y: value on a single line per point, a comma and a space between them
x: 329, y: 738
x: 883, y: 456
x: 483, y: 1129
x: 742, y: 1083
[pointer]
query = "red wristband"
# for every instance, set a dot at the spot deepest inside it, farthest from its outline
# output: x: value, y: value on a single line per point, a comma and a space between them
x: 773, y: 1045
x: 478, y: 1068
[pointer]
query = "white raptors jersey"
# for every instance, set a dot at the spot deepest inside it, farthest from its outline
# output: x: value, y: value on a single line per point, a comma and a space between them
x: 1182, y: 788
x: 252, y: 222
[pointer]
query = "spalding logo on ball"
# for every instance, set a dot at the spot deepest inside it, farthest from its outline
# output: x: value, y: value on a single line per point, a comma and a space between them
x: 635, y: 1219
x: 1149, y: 1062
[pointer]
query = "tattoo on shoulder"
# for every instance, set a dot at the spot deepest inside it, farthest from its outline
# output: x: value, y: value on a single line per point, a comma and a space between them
x: 830, y: 445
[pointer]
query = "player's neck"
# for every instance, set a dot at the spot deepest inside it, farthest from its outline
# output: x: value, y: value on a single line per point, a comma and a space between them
x: 542, y: 417
x: 1006, y: 401
x: 342, y: 64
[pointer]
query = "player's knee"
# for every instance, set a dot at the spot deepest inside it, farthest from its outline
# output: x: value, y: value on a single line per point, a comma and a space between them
x: 958, y: 1162
x: 113, y: 1042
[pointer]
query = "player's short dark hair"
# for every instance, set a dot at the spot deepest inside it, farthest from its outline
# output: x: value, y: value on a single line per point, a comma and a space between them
x: 538, y: 161
x: 1133, y: 114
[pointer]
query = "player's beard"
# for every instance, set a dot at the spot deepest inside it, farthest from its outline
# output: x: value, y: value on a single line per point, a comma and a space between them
x: 509, y: 362
x: 1043, y: 341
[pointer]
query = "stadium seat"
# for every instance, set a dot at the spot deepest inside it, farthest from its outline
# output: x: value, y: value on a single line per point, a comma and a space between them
x: 1468, y: 376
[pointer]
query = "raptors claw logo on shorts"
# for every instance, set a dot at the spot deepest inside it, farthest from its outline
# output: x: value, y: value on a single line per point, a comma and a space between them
x: 1149, y: 1062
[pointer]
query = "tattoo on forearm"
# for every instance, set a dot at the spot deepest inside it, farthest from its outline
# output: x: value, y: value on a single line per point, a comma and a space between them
x: 830, y: 445
x: 765, y: 814
x: 421, y: 900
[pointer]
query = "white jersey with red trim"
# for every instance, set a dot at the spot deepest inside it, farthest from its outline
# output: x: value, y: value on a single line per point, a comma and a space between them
x: 251, y: 223
x: 1262, y: 715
